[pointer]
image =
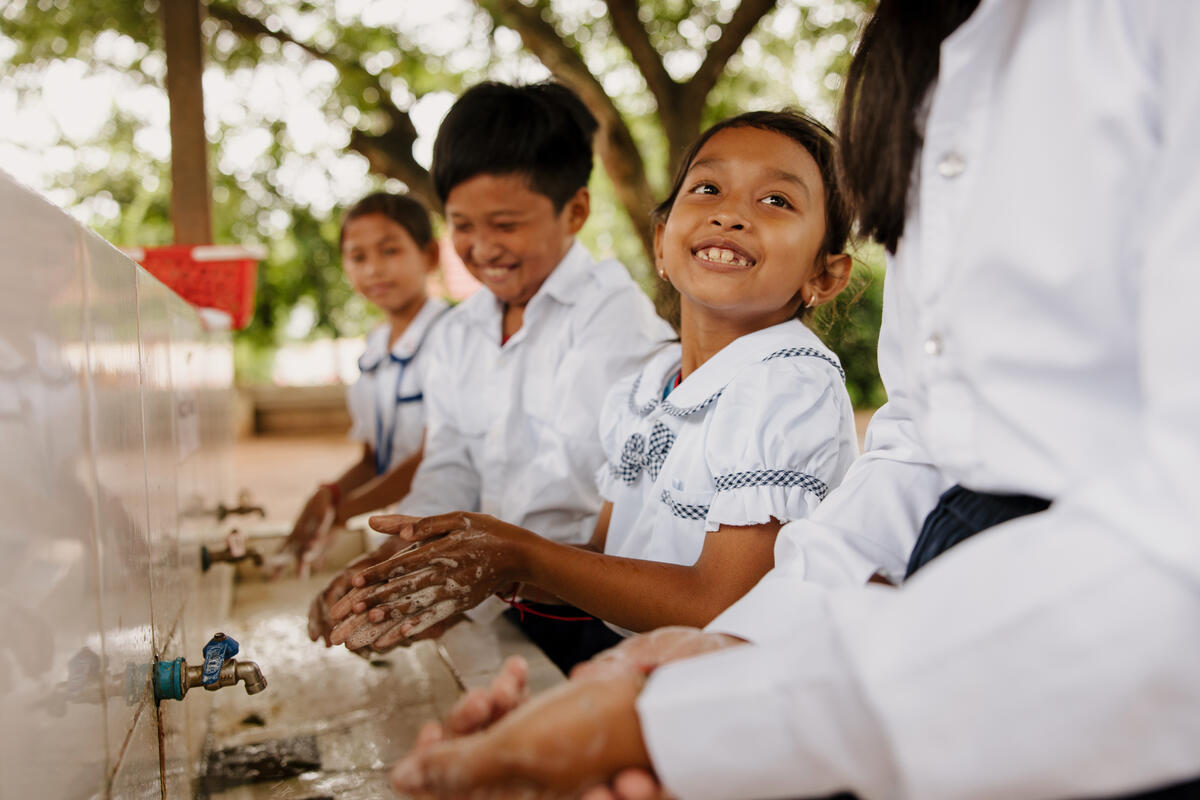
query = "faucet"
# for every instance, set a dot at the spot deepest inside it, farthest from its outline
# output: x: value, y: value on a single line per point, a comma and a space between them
x: 244, y: 506
x: 172, y: 679
x: 235, y: 551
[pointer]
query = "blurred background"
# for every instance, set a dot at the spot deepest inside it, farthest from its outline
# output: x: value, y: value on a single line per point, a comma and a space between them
x: 309, y: 105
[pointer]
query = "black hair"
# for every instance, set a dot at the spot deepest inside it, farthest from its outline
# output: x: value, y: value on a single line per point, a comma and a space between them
x: 542, y: 131
x: 807, y: 132
x: 405, y: 210
x: 896, y: 62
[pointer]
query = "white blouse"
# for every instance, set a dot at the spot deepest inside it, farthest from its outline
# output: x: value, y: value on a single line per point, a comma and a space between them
x: 511, y: 428
x: 386, y: 403
x: 1039, y: 337
x: 762, y: 429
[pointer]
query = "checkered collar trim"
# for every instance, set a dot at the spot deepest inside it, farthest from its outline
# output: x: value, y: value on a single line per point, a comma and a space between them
x: 409, y: 342
x: 703, y: 387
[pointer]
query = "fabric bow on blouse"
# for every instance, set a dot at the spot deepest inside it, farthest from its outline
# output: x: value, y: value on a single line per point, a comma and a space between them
x: 638, y: 454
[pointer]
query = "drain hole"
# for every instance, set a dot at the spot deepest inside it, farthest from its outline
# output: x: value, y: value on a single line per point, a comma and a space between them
x: 253, y: 719
x: 268, y: 761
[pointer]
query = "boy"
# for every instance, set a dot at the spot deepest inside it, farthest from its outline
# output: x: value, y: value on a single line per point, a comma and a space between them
x: 517, y: 373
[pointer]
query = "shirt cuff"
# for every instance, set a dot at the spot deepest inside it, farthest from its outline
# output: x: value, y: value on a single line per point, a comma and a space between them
x: 774, y: 608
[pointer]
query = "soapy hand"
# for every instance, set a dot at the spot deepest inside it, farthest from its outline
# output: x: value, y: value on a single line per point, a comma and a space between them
x: 320, y: 624
x: 460, y: 560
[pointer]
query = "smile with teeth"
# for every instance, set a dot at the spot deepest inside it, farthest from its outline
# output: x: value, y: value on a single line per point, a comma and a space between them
x: 722, y: 255
x: 495, y: 273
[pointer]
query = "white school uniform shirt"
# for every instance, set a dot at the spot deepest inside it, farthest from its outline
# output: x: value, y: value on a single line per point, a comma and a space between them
x: 387, y: 409
x: 763, y: 429
x: 1039, y: 337
x: 511, y: 428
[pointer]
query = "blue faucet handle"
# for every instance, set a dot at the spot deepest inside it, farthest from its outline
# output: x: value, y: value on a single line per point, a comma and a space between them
x: 219, y: 649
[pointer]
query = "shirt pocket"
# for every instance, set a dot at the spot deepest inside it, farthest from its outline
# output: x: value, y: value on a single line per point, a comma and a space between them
x: 690, y: 505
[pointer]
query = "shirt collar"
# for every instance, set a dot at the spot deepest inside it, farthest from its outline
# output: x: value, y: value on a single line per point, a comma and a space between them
x: 702, y: 388
x: 409, y: 342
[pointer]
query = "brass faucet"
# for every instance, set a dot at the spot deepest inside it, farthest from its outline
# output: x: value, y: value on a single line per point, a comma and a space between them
x: 172, y: 679
x: 234, y: 552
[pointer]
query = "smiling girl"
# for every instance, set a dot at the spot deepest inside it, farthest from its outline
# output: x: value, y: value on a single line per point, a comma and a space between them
x: 721, y: 438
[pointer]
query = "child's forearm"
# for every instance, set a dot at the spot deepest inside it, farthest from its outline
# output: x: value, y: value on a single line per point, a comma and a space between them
x: 634, y: 594
x: 359, y: 473
x: 378, y: 491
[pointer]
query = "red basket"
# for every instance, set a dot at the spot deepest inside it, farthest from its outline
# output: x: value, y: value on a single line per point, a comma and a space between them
x: 209, y: 276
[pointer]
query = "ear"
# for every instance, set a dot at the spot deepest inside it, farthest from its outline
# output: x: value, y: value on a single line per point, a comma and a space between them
x: 433, y: 255
x: 659, y: 228
x: 577, y: 210
x: 832, y: 279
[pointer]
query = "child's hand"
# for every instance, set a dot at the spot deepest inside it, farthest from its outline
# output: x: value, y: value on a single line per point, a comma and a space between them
x: 463, y: 559
x: 311, y: 535
x: 320, y: 624
x: 362, y: 635
x: 557, y: 744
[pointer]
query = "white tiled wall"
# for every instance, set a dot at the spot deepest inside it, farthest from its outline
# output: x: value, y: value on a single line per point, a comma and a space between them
x: 115, y: 439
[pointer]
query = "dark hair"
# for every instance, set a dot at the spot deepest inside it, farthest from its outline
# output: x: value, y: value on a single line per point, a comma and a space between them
x: 542, y: 131
x: 896, y: 63
x: 405, y: 210
x: 810, y: 134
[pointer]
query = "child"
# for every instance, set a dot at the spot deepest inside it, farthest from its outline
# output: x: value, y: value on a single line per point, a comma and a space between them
x: 388, y: 251
x: 518, y: 372
x: 1038, y: 340
x: 713, y: 444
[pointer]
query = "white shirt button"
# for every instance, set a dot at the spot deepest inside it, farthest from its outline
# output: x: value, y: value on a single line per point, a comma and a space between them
x: 933, y: 345
x: 951, y: 165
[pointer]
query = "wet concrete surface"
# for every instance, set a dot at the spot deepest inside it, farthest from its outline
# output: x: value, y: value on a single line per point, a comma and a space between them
x: 338, y: 720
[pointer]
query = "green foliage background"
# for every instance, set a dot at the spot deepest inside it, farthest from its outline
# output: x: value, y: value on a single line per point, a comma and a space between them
x: 121, y: 189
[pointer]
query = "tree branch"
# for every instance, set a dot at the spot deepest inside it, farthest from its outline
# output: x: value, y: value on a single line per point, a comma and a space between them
x: 618, y: 152
x: 632, y: 33
x: 733, y: 33
x: 388, y: 153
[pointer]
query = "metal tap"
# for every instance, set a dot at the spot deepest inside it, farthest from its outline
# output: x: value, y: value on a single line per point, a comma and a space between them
x: 235, y: 551
x: 172, y: 679
x: 244, y: 506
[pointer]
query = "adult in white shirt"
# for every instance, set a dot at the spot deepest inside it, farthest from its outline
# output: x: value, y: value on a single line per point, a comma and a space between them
x: 1034, y: 173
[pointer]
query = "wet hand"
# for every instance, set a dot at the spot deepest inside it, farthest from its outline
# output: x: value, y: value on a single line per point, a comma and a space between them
x: 555, y: 745
x: 461, y: 559
x: 320, y: 623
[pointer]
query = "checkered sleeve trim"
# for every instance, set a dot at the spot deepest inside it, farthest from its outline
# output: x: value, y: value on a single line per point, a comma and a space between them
x: 793, y: 352
x: 682, y: 510
x: 771, y: 477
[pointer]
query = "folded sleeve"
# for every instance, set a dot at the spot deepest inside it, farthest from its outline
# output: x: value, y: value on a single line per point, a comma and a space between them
x: 780, y: 437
